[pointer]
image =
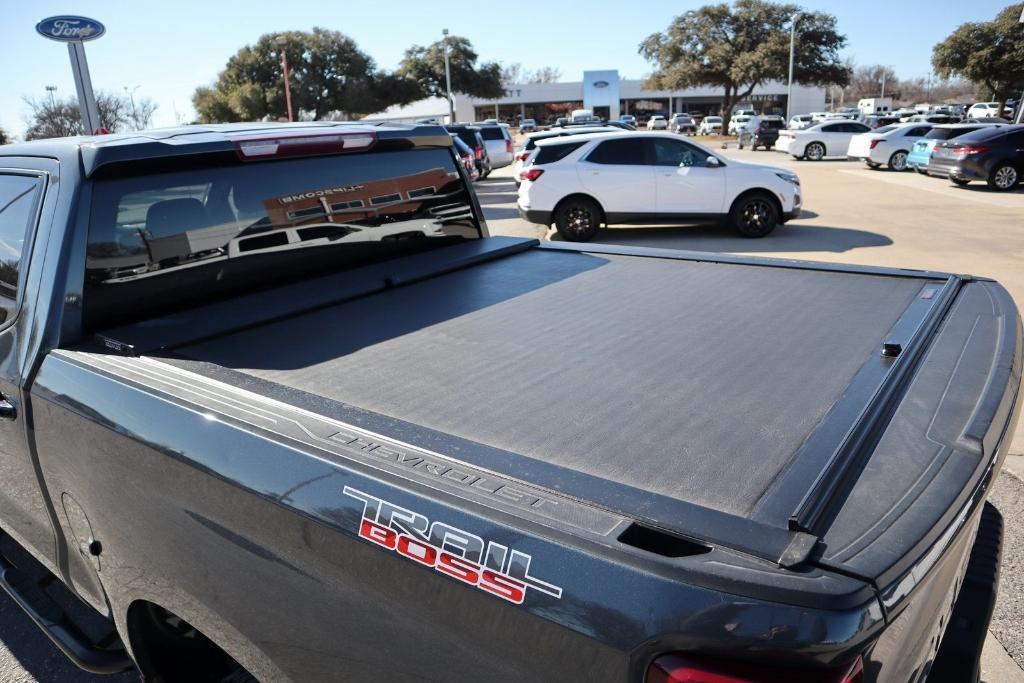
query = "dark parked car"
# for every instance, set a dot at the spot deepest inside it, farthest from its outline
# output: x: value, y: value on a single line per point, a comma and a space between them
x: 761, y: 131
x: 879, y: 120
x: 467, y: 156
x: 472, y: 136
x: 995, y: 155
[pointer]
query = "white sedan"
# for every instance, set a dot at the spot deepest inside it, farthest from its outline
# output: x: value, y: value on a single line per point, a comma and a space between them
x: 711, y: 125
x: 888, y: 145
x: 657, y: 122
x: 825, y: 139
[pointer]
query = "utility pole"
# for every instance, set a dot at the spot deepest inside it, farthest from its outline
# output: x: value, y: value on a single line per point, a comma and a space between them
x: 448, y: 78
x: 792, y: 46
x: 281, y: 42
x: 131, y: 98
x: 883, y: 83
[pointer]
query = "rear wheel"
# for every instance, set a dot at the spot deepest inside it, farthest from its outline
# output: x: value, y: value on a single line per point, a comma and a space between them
x: 754, y: 215
x: 578, y: 219
x: 1004, y: 177
x: 898, y: 161
x: 815, y: 151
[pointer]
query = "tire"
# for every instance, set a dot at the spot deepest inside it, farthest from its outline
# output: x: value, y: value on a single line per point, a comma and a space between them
x: 898, y: 161
x: 578, y: 219
x: 815, y: 151
x: 1004, y: 177
x: 960, y: 181
x: 754, y: 215
x: 872, y: 164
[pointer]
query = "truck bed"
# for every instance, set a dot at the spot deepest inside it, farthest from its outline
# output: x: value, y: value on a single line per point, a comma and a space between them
x: 691, y: 380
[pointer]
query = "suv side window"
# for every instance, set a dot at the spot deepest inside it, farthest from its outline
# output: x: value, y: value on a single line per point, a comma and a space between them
x: 677, y: 154
x: 624, y: 152
x: 19, y: 195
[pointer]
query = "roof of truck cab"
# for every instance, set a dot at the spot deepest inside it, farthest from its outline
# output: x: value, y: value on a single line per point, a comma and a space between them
x: 96, y: 150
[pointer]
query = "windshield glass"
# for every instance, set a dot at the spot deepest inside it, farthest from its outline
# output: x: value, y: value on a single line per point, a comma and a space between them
x: 163, y: 241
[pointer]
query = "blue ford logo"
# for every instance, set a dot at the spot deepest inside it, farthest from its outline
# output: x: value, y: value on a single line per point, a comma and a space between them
x: 600, y: 84
x: 68, y: 28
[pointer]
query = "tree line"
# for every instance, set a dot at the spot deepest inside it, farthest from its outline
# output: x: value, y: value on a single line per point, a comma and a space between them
x: 735, y: 47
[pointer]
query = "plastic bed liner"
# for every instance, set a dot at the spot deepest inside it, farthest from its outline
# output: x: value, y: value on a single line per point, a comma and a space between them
x: 698, y: 381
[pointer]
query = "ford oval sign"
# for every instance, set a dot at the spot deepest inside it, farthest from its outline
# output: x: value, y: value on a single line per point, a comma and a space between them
x: 69, y: 28
x: 600, y: 84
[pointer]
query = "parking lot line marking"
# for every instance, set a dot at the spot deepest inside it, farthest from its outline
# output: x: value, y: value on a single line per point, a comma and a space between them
x: 1013, y: 200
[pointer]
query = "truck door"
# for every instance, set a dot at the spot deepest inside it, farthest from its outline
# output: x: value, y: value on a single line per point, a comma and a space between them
x: 24, y: 512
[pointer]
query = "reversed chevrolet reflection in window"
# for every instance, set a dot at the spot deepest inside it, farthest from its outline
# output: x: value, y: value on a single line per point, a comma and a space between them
x: 144, y: 226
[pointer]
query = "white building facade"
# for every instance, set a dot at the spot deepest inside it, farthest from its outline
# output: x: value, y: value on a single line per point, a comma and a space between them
x: 608, y: 96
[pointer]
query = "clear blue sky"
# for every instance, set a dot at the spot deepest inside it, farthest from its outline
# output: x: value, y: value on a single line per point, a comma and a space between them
x: 169, y: 48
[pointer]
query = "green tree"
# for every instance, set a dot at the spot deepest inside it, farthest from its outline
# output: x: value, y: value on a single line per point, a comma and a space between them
x: 740, y: 47
x: 330, y: 77
x: 4, y: 138
x: 989, y: 53
x: 425, y: 65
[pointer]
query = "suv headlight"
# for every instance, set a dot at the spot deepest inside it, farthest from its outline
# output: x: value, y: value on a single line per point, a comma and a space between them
x: 789, y: 177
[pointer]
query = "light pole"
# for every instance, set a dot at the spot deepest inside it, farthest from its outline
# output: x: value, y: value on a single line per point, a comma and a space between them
x: 281, y: 43
x: 131, y: 98
x: 884, y: 70
x: 792, y: 47
x: 448, y: 78
x: 52, y: 89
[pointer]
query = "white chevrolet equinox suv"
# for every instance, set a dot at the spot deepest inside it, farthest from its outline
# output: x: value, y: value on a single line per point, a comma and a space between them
x: 586, y: 181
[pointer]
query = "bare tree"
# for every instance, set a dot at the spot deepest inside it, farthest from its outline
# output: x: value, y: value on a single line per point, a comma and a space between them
x: 53, y: 118
x: 546, y: 74
x: 140, y: 113
x: 512, y: 74
x: 4, y: 137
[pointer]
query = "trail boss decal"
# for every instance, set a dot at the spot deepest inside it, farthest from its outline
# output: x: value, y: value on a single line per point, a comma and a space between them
x: 461, y: 555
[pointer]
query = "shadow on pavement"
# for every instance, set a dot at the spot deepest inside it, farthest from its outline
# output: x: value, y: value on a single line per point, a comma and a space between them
x: 787, y: 238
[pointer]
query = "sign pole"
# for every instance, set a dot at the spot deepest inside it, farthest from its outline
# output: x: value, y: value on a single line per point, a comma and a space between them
x: 83, y: 84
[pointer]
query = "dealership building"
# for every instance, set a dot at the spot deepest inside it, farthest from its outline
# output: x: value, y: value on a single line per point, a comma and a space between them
x: 608, y: 96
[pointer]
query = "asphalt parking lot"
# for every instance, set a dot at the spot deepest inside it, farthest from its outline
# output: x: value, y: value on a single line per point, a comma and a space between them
x: 856, y: 215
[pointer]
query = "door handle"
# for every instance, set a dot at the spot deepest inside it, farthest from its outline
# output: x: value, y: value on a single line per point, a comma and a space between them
x: 7, y: 409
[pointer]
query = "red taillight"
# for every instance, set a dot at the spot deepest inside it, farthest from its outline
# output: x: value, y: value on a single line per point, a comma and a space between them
x: 508, y: 146
x: 479, y: 151
x: 523, y: 156
x: 874, y: 143
x: 971, y: 149
x: 303, y: 143
x: 679, y: 668
x: 531, y: 174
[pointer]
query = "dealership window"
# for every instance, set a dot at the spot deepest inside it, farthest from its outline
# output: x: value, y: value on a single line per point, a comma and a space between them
x: 385, y: 199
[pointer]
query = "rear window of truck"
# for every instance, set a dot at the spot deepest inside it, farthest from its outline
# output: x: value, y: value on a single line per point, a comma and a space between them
x: 164, y: 241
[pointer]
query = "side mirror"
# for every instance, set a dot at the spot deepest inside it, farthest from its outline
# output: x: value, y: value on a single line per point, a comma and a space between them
x: 713, y: 162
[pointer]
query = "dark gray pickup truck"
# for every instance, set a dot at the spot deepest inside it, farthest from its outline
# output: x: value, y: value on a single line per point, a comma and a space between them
x: 276, y: 407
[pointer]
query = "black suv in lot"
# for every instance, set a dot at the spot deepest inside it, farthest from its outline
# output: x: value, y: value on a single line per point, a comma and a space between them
x: 995, y: 155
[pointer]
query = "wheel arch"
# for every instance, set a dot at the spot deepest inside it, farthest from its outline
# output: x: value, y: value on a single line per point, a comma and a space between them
x: 824, y: 148
x: 580, y: 195
x: 759, y: 191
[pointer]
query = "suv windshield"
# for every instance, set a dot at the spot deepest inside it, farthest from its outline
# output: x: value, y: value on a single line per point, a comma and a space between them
x: 163, y: 241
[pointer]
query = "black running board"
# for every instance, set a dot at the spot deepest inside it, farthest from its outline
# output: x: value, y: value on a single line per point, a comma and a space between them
x: 58, y: 626
x: 959, y: 657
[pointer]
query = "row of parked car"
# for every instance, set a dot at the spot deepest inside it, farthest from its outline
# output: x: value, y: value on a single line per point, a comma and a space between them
x: 989, y: 151
x: 483, y: 147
